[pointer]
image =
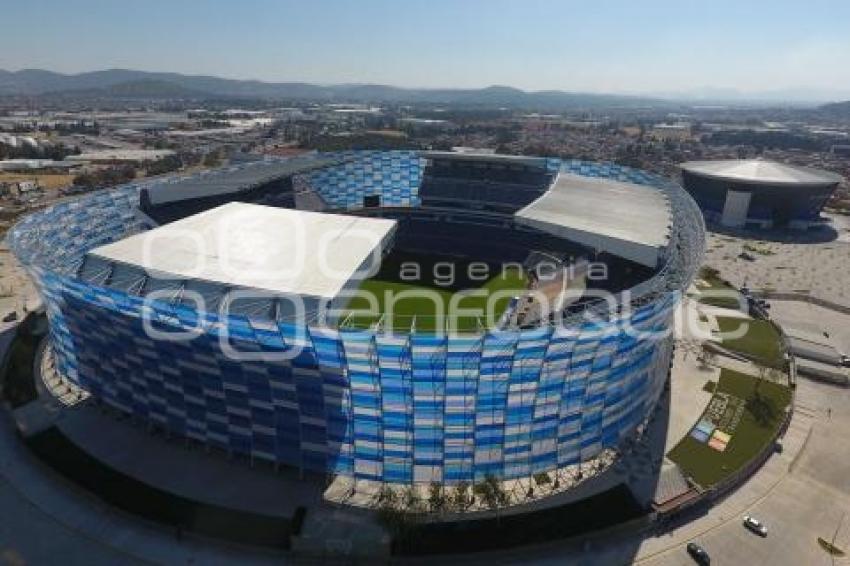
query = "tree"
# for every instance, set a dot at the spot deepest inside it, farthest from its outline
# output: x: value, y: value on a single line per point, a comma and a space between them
x: 436, y: 497
x: 105, y: 177
x: 462, y: 499
x: 761, y: 408
x: 165, y: 165
x: 212, y: 159
x: 390, y: 512
x: 412, y: 501
x: 491, y: 492
x: 542, y: 479
x: 387, y: 496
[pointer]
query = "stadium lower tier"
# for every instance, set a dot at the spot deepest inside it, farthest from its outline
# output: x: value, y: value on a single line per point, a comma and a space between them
x: 413, y: 407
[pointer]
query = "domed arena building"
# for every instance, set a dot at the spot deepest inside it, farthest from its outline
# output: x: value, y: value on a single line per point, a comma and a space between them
x: 223, y: 307
x: 757, y: 193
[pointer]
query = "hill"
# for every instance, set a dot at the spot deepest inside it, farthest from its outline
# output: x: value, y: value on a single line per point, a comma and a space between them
x: 123, y: 83
x: 839, y: 109
x: 141, y: 89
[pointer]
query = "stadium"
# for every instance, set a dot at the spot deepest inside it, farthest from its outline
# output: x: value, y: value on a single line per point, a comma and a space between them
x: 174, y: 300
x: 757, y: 193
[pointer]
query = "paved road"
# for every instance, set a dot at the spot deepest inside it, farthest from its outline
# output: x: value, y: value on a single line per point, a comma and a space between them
x: 46, y: 520
x: 800, y: 494
x: 29, y: 536
x: 805, y: 316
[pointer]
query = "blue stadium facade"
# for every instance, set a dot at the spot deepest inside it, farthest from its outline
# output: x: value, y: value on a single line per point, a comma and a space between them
x: 363, y: 403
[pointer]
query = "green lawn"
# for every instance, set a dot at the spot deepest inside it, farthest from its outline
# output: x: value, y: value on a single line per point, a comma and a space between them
x: 761, y: 341
x: 711, y: 281
x: 764, y: 408
x: 400, y: 310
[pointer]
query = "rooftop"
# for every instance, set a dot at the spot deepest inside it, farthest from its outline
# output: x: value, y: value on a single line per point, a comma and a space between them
x: 278, y: 250
x: 122, y: 155
x: 624, y: 219
x: 761, y: 171
x: 18, y: 164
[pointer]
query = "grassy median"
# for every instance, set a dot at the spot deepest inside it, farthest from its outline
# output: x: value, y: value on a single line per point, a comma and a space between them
x: 710, y: 281
x: 763, y: 405
x: 761, y: 341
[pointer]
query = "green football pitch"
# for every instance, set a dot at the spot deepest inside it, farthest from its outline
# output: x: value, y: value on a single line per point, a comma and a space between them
x: 439, y: 292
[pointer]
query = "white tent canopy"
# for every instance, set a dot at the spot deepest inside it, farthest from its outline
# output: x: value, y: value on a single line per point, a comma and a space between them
x: 278, y: 250
x: 624, y: 219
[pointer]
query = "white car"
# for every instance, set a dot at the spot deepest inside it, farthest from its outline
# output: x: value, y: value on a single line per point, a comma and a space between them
x: 755, y: 526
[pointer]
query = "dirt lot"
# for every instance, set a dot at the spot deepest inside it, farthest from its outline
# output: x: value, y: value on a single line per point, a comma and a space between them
x: 50, y: 182
x: 818, y: 268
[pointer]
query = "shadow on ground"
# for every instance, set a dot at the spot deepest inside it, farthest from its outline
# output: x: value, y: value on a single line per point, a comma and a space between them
x: 821, y: 235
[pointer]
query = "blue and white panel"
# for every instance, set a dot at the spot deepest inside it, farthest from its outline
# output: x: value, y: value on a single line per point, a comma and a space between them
x: 395, y: 176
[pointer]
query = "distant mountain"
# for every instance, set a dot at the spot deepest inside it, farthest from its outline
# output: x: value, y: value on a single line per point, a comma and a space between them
x: 123, y: 83
x: 839, y: 109
x: 799, y: 97
x: 142, y: 89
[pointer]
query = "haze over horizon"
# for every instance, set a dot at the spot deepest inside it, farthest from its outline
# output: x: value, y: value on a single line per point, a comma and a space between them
x: 701, y: 50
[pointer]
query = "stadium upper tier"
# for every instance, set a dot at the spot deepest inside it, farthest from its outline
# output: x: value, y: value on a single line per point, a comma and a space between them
x: 230, y: 180
x: 263, y: 182
x: 377, y: 404
x: 471, y: 182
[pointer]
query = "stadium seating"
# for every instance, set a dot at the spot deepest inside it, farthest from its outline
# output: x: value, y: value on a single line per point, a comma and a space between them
x: 481, y: 186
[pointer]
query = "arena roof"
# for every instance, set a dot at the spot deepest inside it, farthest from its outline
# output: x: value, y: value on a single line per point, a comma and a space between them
x: 230, y: 180
x: 760, y: 171
x: 283, y: 251
x: 624, y: 219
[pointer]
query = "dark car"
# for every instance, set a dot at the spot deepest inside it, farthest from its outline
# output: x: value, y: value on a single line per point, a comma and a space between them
x: 699, y: 554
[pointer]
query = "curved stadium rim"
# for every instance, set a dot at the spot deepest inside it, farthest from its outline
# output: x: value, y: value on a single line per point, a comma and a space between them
x: 31, y: 241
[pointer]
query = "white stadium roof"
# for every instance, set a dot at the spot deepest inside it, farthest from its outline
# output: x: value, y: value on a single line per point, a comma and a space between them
x: 760, y: 171
x: 624, y: 219
x: 279, y: 250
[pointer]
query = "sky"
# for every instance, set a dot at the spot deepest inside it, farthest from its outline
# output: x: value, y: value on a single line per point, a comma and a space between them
x: 617, y: 46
